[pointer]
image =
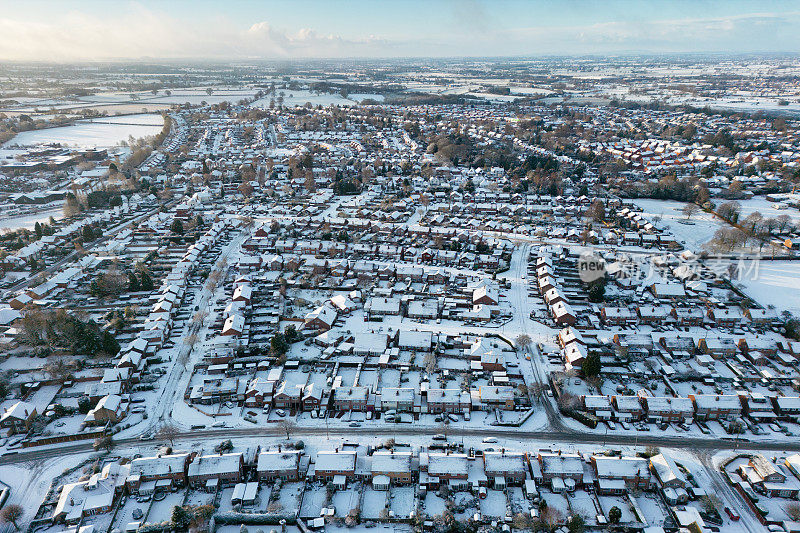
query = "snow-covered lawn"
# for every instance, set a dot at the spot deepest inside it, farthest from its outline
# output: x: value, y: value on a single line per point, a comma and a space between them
x: 401, y: 501
x: 652, y: 509
x: 583, y: 505
x: 373, y: 503
x: 162, y: 510
x: 607, y: 502
x: 434, y: 505
x: 313, y: 500
x: 345, y: 500
x: 494, y: 505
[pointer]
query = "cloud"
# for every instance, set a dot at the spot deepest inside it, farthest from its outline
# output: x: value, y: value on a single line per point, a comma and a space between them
x: 144, y: 33
x: 137, y: 31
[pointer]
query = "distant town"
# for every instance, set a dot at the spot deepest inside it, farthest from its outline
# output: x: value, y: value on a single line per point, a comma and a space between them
x: 454, y: 296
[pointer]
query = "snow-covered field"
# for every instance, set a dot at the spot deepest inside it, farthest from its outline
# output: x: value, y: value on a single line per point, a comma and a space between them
x: 105, y: 132
x: 775, y: 283
x: 767, y: 208
x: 693, y: 233
x: 301, y: 97
x: 29, y: 221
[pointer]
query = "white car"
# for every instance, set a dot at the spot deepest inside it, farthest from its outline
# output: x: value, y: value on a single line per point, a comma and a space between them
x: 490, y: 440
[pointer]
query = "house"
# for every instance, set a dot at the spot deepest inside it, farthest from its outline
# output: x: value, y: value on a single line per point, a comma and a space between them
x: 145, y: 472
x: 110, y: 409
x: 628, y: 408
x: 399, y: 399
x: 563, y: 314
x: 486, y: 295
x: 617, y: 475
x: 390, y: 467
x: 772, y: 479
x: 667, y: 472
x: 337, y: 466
x: 716, y: 406
x: 415, y: 341
x: 214, y: 470
x: 259, y: 392
x: 504, y: 468
x: 355, y: 398
x: 382, y: 306
x: 668, y: 409
x: 19, y: 417
x: 451, y: 469
x: 370, y: 343
x: 448, y: 400
x: 289, y: 396
x: 233, y: 326
x: 278, y: 464
x: 82, y: 499
x: 728, y: 317
x: 561, y: 471
x: 321, y: 318
x: 787, y: 407
x: 494, y: 396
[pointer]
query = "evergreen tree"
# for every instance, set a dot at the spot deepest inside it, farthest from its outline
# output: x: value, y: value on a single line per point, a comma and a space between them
x: 146, y: 281
x: 133, y: 282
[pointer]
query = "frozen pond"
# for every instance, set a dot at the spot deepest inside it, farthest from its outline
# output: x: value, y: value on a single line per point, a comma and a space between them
x: 102, y: 132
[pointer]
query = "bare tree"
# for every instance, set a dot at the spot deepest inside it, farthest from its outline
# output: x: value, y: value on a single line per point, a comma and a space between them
x: 11, y: 514
x: 522, y: 341
x: 288, y: 427
x: 168, y: 432
x: 191, y: 340
x: 430, y: 362
x: 690, y: 209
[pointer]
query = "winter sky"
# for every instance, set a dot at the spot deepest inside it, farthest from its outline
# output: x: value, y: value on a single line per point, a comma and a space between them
x: 75, y: 30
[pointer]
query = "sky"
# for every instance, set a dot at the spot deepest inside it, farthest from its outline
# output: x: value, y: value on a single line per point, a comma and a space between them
x: 99, y: 30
